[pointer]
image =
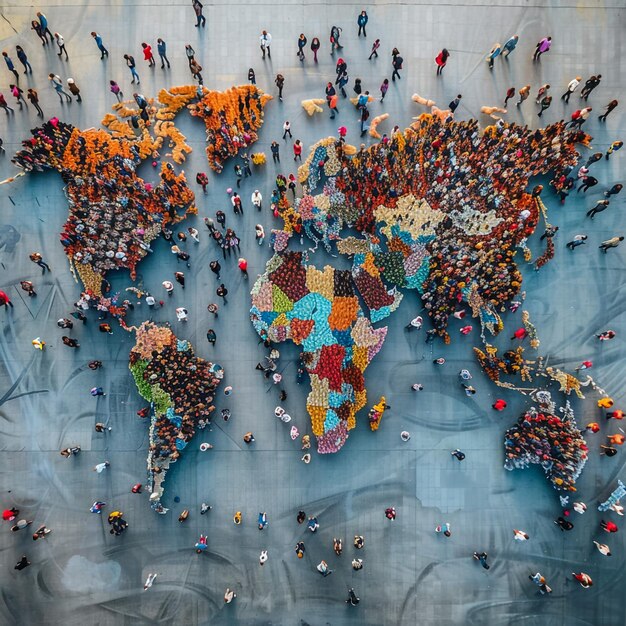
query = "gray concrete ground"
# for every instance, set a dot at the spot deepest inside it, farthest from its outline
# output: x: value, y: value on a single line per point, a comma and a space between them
x: 83, y: 575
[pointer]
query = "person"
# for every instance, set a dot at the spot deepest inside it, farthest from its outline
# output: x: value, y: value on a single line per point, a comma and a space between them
x: 149, y: 580
x: 300, y: 549
x: 203, y: 180
x: 28, y: 287
x: 520, y: 535
x: 495, y: 51
x: 302, y: 41
x: 571, y: 88
x: 280, y: 83
x: 613, y: 242
x: 263, y: 557
x: 180, y: 278
x: 396, y: 63
x: 23, y: 59
x: 147, y: 54
x: 249, y: 438
x: 614, y: 147
x: 609, y: 527
x: 297, y: 150
x: 315, y: 46
x: 211, y: 337
x: 332, y: 105
x: 100, y: 467
x: 445, y: 528
x: 374, y: 52
x: 590, y: 84
x: 265, y: 41
x: 115, y: 89
x: 323, y: 569
x: 455, y: 103
x: 287, y: 130
x: 539, y: 580
x: 229, y: 596
x: 37, y: 343
x: 74, y: 89
x: 22, y: 563
x: 362, y: 23
x: 579, y: 507
x: 441, y: 59
x: 499, y: 405
x: 70, y: 342
x: 613, y: 191
x: 587, y: 183
x: 617, y: 415
x: 542, y: 47
x: 601, y: 205
x: 33, y: 96
x: 390, y: 513
x: 222, y: 292
x: 200, y: 19
x: 204, y: 508
x: 481, y: 557
x: 405, y: 435
x: 584, y: 579
x: 190, y: 54
x: 257, y: 199
x: 545, y: 104
x: 130, y: 63
x: 335, y: 34
x: 609, y: 107
x: 8, y: 515
x: 357, y: 564
x: 300, y: 517
x: 510, y: 93
x: 603, y: 548
x: 384, y: 88
x: 162, y: 51
x: 242, y: 264
x: 237, y: 518
x: 337, y: 546
x: 36, y: 26
x: 578, y: 240
x: 312, y: 524
x: 196, y: 70
x: 201, y: 545
x: 43, y: 23
x: 509, y: 46
x: 563, y: 524
x: 182, y: 314
x: 97, y: 507
x: 61, y: 45
x: 102, y: 428
x: 98, y: 39
x: 58, y: 87
x: 352, y: 598
x: 262, y: 521
x: 458, y: 454
x: 359, y: 541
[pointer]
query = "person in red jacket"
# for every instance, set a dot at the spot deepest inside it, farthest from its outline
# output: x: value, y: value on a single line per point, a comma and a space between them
x: 297, y: 150
x: 499, y: 405
x: 520, y: 334
x: 243, y: 266
x: 147, y: 54
x: 609, y: 527
x: 616, y: 415
x: 5, y: 301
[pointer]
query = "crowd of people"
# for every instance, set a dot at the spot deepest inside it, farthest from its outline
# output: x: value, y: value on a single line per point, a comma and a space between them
x: 453, y: 241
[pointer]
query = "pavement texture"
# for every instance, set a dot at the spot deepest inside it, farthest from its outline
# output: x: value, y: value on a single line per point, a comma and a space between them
x: 83, y: 575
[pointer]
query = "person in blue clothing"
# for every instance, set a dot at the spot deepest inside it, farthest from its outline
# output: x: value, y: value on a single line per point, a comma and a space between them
x: 494, y: 52
x: 43, y: 21
x: 262, y: 520
x: 509, y: 45
x: 362, y: 22
x: 130, y: 62
x: 10, y: 65
x: 162, y: 49
x: 21, y: 55
x: 103, y: 50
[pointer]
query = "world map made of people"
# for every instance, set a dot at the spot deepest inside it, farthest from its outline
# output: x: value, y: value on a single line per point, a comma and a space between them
x: 440, y: 208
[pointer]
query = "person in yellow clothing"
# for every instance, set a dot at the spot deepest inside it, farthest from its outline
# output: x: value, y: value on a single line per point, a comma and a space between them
x: 605, y: 403
x: 237, y: 518
x: 38, y: 344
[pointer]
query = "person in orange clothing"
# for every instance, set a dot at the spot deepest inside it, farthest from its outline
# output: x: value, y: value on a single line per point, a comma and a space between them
x: 594, y: 427
x: 617, y: 439
x: 616, y: 415
x: 605, y: 403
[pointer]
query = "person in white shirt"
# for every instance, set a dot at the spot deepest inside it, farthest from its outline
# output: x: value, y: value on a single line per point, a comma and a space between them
x: 265, y: 40
x: 571, y: 88
x: 257, y: 199
x: 181, y: 314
